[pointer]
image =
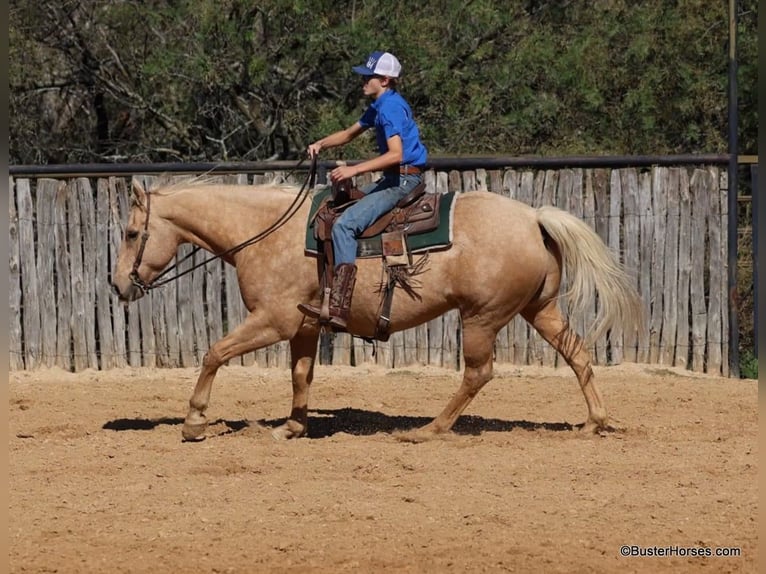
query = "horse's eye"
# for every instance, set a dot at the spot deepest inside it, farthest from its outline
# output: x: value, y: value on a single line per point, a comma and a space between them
x: 131, y: 234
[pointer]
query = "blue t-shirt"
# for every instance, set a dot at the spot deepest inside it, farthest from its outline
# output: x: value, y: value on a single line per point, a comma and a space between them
x: 391, y: 115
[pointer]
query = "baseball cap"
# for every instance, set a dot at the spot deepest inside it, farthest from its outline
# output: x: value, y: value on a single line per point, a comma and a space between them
x: 380, y: 64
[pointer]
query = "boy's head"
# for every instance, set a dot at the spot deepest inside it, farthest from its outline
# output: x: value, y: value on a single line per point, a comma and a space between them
x: 380, y: 64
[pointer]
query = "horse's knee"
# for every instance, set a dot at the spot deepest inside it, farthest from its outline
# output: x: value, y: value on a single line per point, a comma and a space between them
x: 475, y: 378
x: 211, y: 359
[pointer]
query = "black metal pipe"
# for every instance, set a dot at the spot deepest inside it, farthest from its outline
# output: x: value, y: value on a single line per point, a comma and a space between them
x: 733, y: 298
x: 437, y: 163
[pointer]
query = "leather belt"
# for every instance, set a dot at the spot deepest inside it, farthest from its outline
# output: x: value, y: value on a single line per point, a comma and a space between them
x: 406, y: 170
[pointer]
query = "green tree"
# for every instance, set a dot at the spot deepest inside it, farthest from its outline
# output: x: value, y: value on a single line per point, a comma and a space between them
x: 116, y: 80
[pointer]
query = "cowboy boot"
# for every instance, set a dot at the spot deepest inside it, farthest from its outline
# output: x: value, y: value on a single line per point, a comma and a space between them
x: 340, y: 296
x: 344, y: 279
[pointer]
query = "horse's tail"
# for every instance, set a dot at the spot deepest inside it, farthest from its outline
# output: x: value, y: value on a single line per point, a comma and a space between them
x: 592, y: 269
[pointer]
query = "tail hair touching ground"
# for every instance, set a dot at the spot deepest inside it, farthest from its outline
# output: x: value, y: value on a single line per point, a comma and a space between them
x: 592, y: 268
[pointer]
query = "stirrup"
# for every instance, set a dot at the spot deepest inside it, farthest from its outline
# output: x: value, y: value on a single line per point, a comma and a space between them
x: 309, y: 310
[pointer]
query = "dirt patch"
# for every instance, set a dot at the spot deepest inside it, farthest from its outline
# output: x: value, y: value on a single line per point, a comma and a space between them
x: 101, y: 482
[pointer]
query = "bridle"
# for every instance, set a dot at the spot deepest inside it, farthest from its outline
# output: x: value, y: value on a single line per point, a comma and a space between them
x: 292, y: 209
x: 135, y: 278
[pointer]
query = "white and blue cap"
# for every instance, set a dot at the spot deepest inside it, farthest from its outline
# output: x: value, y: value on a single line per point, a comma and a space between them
x: 380, y: 64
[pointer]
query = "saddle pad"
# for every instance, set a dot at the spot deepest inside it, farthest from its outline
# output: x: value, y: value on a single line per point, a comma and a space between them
x: 439, y: 238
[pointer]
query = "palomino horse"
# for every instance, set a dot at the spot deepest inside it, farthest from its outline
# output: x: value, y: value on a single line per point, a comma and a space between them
x: 506, y: 258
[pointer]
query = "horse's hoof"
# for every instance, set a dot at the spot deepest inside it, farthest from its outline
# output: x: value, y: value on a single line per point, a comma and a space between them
x: 423, y: 434
x: 289, y: 430
x: 193, y: 433
x: 592, y: 427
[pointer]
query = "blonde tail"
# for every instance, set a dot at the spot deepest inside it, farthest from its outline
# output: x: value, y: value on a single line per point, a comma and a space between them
x: 592, y: 269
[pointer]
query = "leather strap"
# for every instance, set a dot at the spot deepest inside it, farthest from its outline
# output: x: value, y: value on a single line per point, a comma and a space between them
x: 384, y: 317
x: 405, y: 170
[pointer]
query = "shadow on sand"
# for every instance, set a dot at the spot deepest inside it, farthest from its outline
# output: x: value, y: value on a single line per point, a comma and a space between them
x: 327, y: 422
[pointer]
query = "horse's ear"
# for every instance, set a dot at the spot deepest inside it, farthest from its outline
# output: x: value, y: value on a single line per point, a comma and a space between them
x: 139, y: 195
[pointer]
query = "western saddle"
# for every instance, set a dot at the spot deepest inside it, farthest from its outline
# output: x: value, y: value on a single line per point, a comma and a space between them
x: 416, y: 213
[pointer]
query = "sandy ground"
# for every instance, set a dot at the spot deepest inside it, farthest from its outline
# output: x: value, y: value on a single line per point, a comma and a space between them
x: 100, y: 480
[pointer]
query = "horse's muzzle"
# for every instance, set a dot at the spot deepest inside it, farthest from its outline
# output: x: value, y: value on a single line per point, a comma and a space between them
x: 130, y: 293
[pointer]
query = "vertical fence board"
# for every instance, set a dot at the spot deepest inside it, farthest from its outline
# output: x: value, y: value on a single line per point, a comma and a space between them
x: 670, y: 311
x: 659, y: 203
x: 15, y: 332
x: 29, y: 289
x: 646, y: 226
x: 723, y: 189
x: 120, y: 352
x: 699, y: 207
x: 718, y: 272
x: 160, y: 328
x: 104, y: 311
x: 174, y: 333
x: 684, y: 271
x: 341, y: 349
x: 615, y: 244
x: 185, y: 294
x: 64, y: 303
x: 90, y: 279
x: 45, y: 196
x: 77, y: 279
x: 410, y: 347
x: 397, y: 349
x: 631, y: 227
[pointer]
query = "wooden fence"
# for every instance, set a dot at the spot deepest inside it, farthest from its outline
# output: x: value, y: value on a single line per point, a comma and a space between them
x: 668, y: 224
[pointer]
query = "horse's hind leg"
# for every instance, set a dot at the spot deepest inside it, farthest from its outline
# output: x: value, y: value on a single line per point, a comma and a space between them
x: 253, y: 333
x: 303, y: 349
x: 551, y: 325
x: 478, y: 341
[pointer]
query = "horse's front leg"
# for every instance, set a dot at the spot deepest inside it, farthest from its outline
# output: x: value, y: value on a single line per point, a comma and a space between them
x: 303, y: 350
x: 254, y: 333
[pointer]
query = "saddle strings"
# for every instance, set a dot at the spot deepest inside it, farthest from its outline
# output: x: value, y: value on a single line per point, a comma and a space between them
x: 292, y: 209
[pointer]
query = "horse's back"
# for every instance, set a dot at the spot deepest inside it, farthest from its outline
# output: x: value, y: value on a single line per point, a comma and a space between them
x: 498, y: 224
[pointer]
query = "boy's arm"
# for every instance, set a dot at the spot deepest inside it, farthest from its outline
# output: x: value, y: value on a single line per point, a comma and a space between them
x: 393, y: 157
x: 338, y: 138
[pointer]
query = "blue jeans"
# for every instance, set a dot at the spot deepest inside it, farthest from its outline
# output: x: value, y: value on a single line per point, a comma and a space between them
x: 379, y: 198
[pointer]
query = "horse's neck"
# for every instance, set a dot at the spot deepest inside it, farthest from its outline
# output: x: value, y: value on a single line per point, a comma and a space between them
x: 218, y: 218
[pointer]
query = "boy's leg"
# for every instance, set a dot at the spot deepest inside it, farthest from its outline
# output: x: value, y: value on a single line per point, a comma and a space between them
x: 380, y: 199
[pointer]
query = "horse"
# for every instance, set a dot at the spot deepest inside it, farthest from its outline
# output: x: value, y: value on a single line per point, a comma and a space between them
x: 506, y: 258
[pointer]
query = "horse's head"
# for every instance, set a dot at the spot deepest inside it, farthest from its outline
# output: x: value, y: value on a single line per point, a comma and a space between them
x: 149, y: 243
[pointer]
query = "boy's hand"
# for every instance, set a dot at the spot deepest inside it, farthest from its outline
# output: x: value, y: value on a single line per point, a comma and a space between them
x: 314, y: 149
x: 342, y: 172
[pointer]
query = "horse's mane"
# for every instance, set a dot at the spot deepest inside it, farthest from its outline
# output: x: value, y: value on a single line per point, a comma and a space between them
x: 166, y: 185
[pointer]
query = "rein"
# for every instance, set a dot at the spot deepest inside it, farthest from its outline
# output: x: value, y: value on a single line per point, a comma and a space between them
x: 288, y: 214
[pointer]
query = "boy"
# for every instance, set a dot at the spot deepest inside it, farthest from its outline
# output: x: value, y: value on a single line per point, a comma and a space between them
x: 402, y: 159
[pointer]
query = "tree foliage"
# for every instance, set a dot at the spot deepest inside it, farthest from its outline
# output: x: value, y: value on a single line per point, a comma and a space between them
x: 183, y: 80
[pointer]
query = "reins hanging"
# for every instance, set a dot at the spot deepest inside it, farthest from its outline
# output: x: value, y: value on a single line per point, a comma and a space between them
x: 291, y: 210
